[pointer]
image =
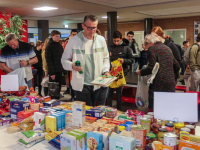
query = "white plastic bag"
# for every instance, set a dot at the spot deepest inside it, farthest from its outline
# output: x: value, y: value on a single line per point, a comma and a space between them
x: 142, y: 93
x: 45, y: 81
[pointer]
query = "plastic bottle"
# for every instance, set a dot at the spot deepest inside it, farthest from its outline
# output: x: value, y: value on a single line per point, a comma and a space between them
x: 78, y: 64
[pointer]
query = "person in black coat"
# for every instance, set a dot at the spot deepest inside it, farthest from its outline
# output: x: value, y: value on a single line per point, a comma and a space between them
x: 38, y: 66
x: 53, y: 54
x: 143, y: 60
x: 157, y: 31
x: 119, y: 50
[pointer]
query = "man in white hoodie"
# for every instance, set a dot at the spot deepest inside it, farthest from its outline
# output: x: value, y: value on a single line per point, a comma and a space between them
x: 91, y: 50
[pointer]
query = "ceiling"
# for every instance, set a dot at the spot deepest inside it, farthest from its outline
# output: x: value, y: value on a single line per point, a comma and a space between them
x: 73, y: 11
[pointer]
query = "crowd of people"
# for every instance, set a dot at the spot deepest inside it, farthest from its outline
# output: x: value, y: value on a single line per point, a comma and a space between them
x: 55, y: 58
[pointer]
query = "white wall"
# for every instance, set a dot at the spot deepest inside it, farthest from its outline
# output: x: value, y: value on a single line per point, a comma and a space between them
x: 52, y: 24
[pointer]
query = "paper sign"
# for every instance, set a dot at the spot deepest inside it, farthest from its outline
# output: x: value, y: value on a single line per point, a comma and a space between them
x: 9, y: 82
x: 182, y: 107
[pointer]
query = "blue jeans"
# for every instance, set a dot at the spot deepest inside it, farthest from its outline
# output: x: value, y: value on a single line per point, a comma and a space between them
x: 102, y: 96
x: 29, y: 84
x: 135, y: 66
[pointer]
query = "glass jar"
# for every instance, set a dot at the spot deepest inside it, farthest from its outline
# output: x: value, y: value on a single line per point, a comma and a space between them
x: 192, y: 129
x: 156, y: 128
x: 146, y: 122
x: 178, y: 127
x: 171, y: 125
x: 161, y: 133
x: 169, y: 129
x: 152, y: 137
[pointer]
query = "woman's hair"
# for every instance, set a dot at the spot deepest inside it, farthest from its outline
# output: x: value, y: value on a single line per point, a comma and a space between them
x: 38, y: 43
x: 98, y: 32
x: 45, y: 44
x: 159, y: 31
x: 150, y: 38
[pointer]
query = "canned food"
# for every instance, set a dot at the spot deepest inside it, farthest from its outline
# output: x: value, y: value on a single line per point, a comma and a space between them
x: 146, y: 122
x: 170, y: 139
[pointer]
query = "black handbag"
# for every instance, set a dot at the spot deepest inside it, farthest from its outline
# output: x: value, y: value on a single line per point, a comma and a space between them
x: 53, y: 89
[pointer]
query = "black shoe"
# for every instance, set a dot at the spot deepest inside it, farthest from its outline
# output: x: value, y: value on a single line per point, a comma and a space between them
x: 67, y: 92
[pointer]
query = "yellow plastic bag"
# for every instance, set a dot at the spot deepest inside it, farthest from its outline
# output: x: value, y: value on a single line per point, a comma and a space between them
x: 117, y: 71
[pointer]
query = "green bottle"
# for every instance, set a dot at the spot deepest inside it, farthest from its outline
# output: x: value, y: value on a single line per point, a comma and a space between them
x: 78, y: 64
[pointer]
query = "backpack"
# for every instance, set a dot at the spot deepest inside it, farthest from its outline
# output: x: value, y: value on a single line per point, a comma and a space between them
x: 178, y: 47
x: 186, y: 56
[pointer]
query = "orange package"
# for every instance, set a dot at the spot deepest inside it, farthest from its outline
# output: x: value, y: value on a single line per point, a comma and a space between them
x: 15, y: 124
x: 188, y: 145
x: 90, y: 119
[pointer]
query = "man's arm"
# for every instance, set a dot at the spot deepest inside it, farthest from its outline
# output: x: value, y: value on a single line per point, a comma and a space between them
x: 66, y: 59
x: 106, y: 59
x: 5, y: 68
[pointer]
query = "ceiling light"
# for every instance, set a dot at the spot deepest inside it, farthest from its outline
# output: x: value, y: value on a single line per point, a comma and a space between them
x: 106, y: 17
x: 45, y: 8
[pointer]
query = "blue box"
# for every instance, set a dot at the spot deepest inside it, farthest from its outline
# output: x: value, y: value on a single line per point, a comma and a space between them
x: 58, y: 121
x: 94, y: 113
x: 17, y: 106
x: 52, y: 103
x: 25, y: 99
x: 98, y: 139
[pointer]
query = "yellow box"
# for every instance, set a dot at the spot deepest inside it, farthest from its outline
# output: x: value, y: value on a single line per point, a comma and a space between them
x: 184, y: 136
x: 195, y: 138
x: 50, y: 124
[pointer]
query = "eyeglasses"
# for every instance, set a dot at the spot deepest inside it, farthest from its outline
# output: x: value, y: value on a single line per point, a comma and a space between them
x: 90, y: 28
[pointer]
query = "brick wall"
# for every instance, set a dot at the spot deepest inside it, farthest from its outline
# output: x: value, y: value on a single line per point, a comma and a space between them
x: 169, y: 23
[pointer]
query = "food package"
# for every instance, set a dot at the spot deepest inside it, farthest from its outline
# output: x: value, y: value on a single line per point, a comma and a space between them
x: 68, y: 119
x: 185, y: 136
x: 67, y: 105
x: 194, y: 138
x: 90, y: 119
x: 94, y: 113
x: 25, y: 99
x: 15, y: 124
x: 13, y: 129
x: 111, y: 112
x: 52, y: 103
x: 69, y: 129
x: 4, y: 121
x: 87, y: 129
x: 17, y: 106
x: 102, y: 121
x: 94, y: 141
x: 50, y: 124
x: 107, y: 119
x: 80, y: 139
x: 52, y: 135
x: 28, y: 120
x: 28, y: 145
x: 135, y: 114
x: 105, y: 139
x: 58, y: 121
x: 121, y: 142
x: 32, y: 99
x: 39, y: 121
x: 29, y: 136
x: 56, y: 142
x: 24, y: 114
x: 126, y: 133
x: 35, y: 106
x: 78, y: 111
x: 62, y: 113
x: 68, y: 142
x: 26, y: 126
x: 45, y: 99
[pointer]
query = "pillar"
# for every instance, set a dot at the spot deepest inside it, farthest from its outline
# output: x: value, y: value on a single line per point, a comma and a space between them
x: 43, y: 29
x: 111, y: 26
x: 148, y: 24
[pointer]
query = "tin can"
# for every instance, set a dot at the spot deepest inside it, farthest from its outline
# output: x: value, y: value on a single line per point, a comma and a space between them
x: 139, y: 133
x: 170, y: 139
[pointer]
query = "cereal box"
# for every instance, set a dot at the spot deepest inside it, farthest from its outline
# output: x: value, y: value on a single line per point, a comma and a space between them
x: 94, y: 141
x: 68, y: 142
x: 187, y: 145
x: 50, y: 123
x: 68, y: 119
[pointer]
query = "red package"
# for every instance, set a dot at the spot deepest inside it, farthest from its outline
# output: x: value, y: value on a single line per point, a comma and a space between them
x: 24, y: 114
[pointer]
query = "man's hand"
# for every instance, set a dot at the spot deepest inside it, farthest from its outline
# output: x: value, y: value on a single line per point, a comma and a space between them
x: 23, y: 63
x: 139, y: 72
x: 121, y: 60
x: 107, y: 74
x: 74, y: 67
x: 53, y: 77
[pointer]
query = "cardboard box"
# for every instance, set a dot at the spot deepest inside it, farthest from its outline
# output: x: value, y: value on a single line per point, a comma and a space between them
x: 39, y: 121
x: 35, y: 106
x: 68, y: 119
x: 17, y: 106
x: 121, y: 142
x: 52, y: 103
x: 80, y: 139
x: 50, y: 124
x: 105, y: 140
x: 68, y: 142
x: 94, y: 113
x: 188, y: 145
x: 58, y: 121
x: 94, y: 141
x: 195, y: 138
